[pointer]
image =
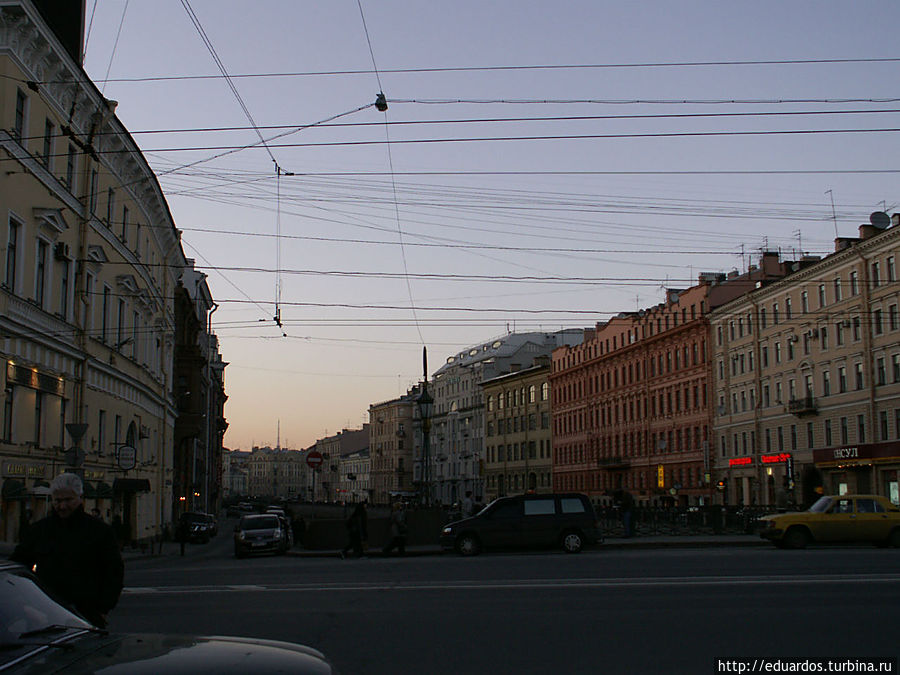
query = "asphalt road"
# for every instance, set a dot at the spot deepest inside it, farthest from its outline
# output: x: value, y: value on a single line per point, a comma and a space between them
x: 601, y: 611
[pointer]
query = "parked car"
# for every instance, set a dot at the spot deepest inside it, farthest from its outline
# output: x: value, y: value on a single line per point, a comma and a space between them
x: 39, y: 635
x: 259, y: 533
x: 526, y: 521
x: 838, y: 518
x: 199, y: 526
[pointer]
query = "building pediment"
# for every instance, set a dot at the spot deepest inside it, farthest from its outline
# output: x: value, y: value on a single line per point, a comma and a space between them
x: 127, y: 283
x: 96, y: 255
x: 52, y: 219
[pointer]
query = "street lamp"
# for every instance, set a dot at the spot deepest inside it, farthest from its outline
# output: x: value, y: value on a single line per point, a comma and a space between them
x: 426, y: 407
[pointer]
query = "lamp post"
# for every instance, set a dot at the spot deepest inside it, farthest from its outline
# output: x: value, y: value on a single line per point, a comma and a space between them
x: 426, y: 406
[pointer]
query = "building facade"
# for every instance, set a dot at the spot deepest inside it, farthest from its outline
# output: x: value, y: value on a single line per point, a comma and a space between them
x: 391, y: 447
x: 91, y: 263
x: 323, y: 483
x: 807, y: 377
x: 517, y: 432
x: 456, y: 448
x: 276, y: 473
x: 235, y: 473
x: 631, y: 404
x: 354, y: 485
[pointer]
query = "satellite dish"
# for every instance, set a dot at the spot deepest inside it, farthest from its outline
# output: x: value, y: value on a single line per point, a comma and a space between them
x: 880, y: 219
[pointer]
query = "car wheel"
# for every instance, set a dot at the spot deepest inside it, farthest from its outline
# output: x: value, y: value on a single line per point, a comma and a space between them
x: 468, y: 544
x: 796, y: 537
x: 572, y: 542
x: 894, y: 538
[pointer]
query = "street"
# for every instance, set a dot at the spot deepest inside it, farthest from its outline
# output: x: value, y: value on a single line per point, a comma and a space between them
x: 602, y: 611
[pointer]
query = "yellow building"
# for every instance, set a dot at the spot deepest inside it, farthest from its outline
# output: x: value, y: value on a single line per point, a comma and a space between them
x: 90, y: 261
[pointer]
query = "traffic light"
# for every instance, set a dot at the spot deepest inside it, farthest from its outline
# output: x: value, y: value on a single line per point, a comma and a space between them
x: 720, y: 485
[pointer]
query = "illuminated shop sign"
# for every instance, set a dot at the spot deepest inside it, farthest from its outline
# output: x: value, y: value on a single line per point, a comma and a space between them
x: 740, y: 461
x: 776, y: 459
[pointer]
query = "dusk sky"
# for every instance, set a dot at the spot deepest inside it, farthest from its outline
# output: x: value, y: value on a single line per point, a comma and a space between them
x: 640, y: 154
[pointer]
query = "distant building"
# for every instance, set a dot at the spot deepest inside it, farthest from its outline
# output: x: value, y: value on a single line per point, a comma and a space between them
x: 332, y: 448
x: 456, y: 452
x: 518, y: 435
x: 807, y: 377
x: 273, y: 473
x: 631, y: 404
x: 235, y: 473
x: 391, y: 447
x: 353, y: 485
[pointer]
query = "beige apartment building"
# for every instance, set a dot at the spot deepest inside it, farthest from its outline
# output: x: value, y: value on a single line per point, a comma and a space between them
x: 518, y: 439
x: 391, y: 441
x: 90, y: 261
x: 807, y: 377
x: 325, y: 483
x: 276, y: 472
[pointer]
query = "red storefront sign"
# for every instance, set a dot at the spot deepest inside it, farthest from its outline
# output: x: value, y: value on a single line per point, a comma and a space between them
x: 740, y: 461
x: 780, y: 458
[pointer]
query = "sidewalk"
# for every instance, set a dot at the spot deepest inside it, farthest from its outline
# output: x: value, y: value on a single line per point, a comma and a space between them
x: 618, y: 543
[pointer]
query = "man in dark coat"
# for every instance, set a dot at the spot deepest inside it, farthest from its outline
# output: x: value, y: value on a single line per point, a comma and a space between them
x: 357, y: 531
x: 73, y: 554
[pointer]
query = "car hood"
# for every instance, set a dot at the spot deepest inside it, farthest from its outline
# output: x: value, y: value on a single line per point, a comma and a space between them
x: 267, y: 532
x: 151, y: 654
x: 464, y: 522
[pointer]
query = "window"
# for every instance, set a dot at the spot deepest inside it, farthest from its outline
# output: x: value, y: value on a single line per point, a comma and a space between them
x: 540, y: 507
x: 777, y: 352
x: 105, y: 317
x: 876, y: 274
x: 854, y: 283
x: 40, y: 271
x: 839, y: 333
x: 891, y: 272
x: 860, y: 428
x: 828, y: 437
x: 788, y: 313
x: 19, y: 123
x: 895, y: 367
x: 883, y: 425
x: 110, y: 206
x: 762, y: 317
x: 809, y: 435
x: 764, y: 356
x: 94, y: 187
x: 881, y: 371
x: 842, y: 379
x: 845, y: 431
x: 893, y: 320
x: 64, y: 289
x: 826, y: 383
x: 775, y: 314
x: 545, y: 391
x: 12, y: 248
x: 821, y: 296
x: 857, y: 329
x: 38, y: 416
x: 49, y: 131
x: 71, y: 165
x: 837, y: 290
x: 823, y: 337
x: 8, y: 414
x: 804, y: 302
x: 858, y: 370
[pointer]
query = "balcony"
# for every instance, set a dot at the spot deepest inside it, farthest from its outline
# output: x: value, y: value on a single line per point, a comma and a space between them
x: 803, y: 406
x: 615, y: 462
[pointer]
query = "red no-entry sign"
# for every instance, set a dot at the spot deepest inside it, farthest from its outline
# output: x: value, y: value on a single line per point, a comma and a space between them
x: 314, y: 459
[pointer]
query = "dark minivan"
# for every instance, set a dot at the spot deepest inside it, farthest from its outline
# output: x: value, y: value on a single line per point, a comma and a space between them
x: 526, y: 521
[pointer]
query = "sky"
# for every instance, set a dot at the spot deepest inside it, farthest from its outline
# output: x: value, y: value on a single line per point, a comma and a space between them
x: 540, y: 166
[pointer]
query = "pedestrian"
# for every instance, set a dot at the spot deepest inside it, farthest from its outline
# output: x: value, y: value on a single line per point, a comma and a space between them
x: 467, y: 505
x: 182, y: 532
x: 628, y: 513
x: 399, y: 530
x: 357, y: 531
x: 73, y: 554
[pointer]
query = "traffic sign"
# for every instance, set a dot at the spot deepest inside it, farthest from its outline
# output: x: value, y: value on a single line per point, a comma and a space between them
x: 314, y: 459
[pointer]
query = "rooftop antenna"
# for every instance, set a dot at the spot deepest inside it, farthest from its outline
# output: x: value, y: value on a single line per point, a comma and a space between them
x: 278, y: 437
x: 833, y: 213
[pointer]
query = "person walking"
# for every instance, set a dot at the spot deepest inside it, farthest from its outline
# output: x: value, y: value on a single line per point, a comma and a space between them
x: 73, y: 554
x: 468, y: 506
x: 357, y: 531
x: 399, y: 530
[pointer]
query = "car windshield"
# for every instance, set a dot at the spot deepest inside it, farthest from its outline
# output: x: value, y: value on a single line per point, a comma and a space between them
x: 26, y: 608
x: 263, y: 523
x: 821, y: 505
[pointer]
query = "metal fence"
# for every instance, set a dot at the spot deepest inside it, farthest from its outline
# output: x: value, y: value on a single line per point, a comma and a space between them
x: 683, y: 521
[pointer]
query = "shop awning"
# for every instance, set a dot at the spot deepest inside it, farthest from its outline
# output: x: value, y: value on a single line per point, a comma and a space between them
x: 104, y: 490
x: 131, y: 485
x: 13, y: 489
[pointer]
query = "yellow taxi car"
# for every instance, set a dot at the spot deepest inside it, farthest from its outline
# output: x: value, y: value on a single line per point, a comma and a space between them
x: 840, y: 518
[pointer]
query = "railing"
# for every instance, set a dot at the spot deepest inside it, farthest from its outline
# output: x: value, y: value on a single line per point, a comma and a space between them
x: 803, y: 406
x: 683, y: 521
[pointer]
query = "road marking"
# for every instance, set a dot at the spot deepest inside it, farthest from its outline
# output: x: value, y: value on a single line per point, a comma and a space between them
x: 623, y: 582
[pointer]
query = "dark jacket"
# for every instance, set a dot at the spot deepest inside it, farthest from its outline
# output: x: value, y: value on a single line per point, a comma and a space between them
x: 77, y: 559
x: 358, y: 523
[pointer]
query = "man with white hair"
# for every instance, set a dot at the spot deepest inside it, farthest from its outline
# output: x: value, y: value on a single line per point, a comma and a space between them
x: 75, y: 555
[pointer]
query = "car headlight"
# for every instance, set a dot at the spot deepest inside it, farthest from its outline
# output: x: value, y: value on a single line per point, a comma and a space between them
x: 448, y: 530
x: 241, y: 535
x: 278, y: 534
